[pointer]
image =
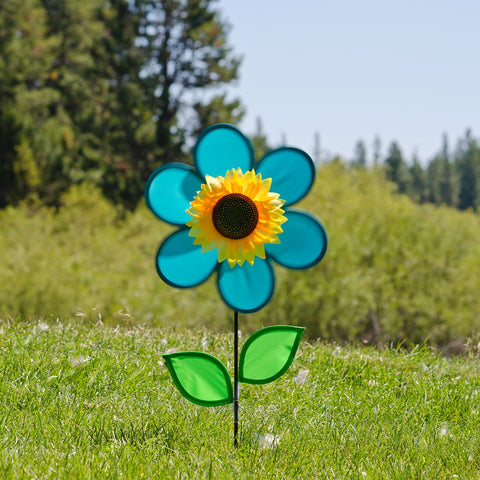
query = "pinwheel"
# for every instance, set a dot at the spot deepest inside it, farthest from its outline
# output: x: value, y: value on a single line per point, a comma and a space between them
x: 235, y: 218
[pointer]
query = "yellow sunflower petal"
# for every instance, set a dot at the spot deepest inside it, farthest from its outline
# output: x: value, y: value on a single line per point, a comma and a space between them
x: 253, y: 195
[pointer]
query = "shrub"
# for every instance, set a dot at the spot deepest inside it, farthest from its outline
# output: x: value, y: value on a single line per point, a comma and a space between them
x: 394, y: 271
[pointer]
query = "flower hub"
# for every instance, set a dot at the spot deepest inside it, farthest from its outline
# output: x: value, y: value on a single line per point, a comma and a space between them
x: 235, y: 216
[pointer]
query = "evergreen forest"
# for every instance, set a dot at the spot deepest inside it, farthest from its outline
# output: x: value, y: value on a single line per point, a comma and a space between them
x: 106, y: 91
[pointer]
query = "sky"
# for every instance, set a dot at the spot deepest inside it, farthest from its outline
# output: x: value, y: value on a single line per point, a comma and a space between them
x: 403, y: 70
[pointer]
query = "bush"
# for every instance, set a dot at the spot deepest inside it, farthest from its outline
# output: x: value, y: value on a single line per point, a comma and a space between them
x: 394, y: 271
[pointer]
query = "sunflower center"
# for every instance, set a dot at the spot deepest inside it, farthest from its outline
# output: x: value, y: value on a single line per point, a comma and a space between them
x: 235, y: 216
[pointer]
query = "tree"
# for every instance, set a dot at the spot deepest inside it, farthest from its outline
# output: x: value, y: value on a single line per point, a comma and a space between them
x: 377, y: 150
x: 434, y: 180
x: 185, y: 43
x: 58, y: 97
x: 418, y: 177
x: 468, y: 164
x: 360, y: 157
x: 26, y: 54
x: 396, y: 168
x: 127, y: 127
x: 105, y: 91
x: 80, y: 100
x: 448, y: 180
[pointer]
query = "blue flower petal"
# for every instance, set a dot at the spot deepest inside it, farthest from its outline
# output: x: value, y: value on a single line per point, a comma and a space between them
x: 304, y: 241
x: 169, y: 191
x: 248, y: 288
x: 292, y: 172
x: 180, y: 263
x: 220, y: 148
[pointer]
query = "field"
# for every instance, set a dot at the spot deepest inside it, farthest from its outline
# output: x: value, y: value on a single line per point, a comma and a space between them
x: 89, y: 401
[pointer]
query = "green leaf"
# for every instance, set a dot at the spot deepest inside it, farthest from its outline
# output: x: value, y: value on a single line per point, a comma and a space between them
x: 200, y: 378
x: 268, y: 353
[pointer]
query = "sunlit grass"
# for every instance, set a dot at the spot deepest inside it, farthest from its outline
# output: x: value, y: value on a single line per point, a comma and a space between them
x: 83, y: 401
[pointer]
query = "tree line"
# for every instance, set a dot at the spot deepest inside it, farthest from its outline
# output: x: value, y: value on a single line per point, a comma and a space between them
x: 104, y: 91
x: 451, y: 178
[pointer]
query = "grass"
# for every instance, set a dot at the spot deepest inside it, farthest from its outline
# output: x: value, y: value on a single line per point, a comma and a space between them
x: 79, y: 401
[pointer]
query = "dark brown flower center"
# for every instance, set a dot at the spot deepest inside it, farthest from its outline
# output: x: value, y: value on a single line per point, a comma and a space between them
x: 235, y: 216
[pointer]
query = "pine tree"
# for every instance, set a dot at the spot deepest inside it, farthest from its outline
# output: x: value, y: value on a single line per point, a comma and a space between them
x: 434, y: 180
x: 418, y: 188
x: 448, y: 181
x: 468, y: 164
x: 396, y: 168
x: 127, y: 125
x: 98, y: 91
x: 377, y: 150
x: 185, y: 42
x: 27, y: 133
x: 360, y: 156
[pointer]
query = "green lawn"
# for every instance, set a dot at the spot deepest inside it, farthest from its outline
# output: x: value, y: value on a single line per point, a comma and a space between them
x: 84, y: 401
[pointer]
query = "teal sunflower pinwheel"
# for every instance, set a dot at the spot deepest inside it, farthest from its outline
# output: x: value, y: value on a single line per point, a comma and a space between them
x: 235, y: 217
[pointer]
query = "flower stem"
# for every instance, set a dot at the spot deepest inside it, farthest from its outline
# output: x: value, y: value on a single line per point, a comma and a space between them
x: 235, y: 381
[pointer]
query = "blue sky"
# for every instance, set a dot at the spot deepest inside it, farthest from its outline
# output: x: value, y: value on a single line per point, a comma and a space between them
x: 352, y: 69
